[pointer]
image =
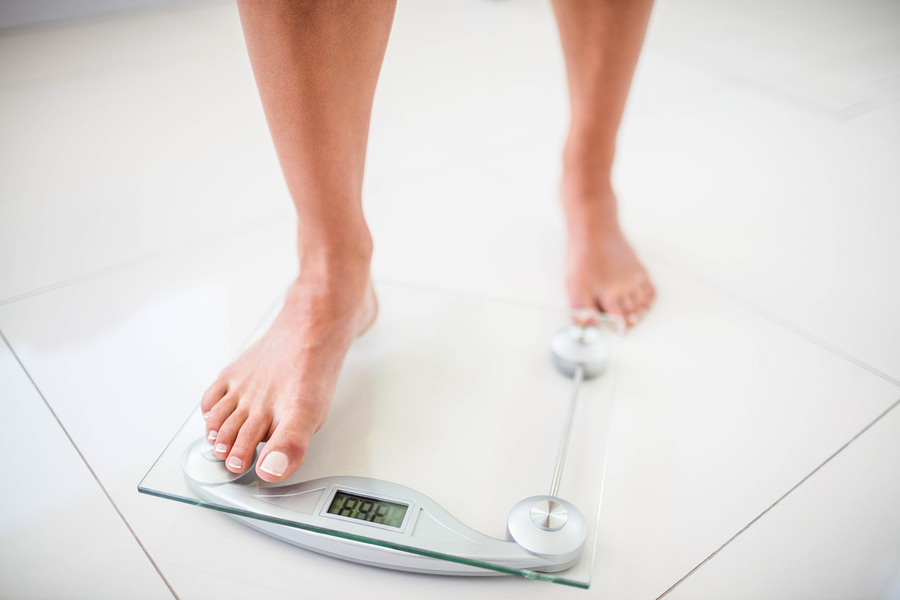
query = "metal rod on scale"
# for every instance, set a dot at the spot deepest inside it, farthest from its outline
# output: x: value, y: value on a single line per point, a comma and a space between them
x: 564, y: 446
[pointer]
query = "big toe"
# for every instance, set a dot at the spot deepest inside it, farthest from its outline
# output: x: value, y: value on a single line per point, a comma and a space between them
x: 284, y: 452
x: 613, y: 302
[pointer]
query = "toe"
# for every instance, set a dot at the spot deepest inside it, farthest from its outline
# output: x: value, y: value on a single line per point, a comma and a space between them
x: 581, y: 306
x: 581, y: 298
x: 218, y: 415
x: 286, y: 449
x: 228, y: 432
x: 252, y: 432
x: 629, y: 308
x: 643, y: 295
x: 649, y: 293
x: 611, y: 304
x: 215, y: 393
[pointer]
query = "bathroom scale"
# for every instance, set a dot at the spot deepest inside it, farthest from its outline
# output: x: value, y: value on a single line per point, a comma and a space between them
x: 467, y: 437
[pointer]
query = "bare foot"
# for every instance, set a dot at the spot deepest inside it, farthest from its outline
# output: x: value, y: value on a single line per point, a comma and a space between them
x: 603, y: 271
x: 280, y: 389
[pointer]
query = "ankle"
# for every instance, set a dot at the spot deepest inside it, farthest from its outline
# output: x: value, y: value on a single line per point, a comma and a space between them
x: 589, y: 149
x: 587, y: 196
x: 589, y: 204
x: 349, y: 248
x: 587, y: 176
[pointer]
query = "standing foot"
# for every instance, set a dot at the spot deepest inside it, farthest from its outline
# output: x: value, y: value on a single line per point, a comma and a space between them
x: 603, y: 271
x: 280, y: 389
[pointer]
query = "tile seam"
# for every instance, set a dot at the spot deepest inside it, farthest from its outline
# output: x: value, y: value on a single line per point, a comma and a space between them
x: 149, y: 257
x: 785, y: 495
x: 89, y: 468
x: 772, y: 317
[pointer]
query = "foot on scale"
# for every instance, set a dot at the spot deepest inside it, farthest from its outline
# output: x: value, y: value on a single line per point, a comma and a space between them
x: 545, y: 533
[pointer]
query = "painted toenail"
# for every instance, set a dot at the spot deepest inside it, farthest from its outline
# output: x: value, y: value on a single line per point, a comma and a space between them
x: 276, y: 463
x: 221, y: 447
x: 235, y: 463
x: 211, y: 436
x: 205, y: 415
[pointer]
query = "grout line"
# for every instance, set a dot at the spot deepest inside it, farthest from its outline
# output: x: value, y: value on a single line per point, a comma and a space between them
x: 802, y: 103
x: 785, y: 495
x: 86, y: 464
x: 774, y: 318
x: 874, y: 103
x: 229, y: 232
x: 785, y: 97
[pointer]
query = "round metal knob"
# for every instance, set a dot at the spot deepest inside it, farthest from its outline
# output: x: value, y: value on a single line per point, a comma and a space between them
x: 202, y: 466
x: 210, y: 455
x: 584, y: 346
x: 549, y: 515
x: 564, y: 537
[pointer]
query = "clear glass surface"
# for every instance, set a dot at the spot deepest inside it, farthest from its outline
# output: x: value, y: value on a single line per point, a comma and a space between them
x: 458, y: 398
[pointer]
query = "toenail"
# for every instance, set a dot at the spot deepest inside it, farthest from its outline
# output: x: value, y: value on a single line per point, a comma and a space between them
x: 235, y: 463
x: 276, y: 463
x: 211, y: 436
x: 205, y: 415
x: 221, y: 447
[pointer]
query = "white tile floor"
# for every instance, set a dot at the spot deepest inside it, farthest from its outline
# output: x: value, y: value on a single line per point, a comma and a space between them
x: 146, y: 232
x: 60, y: 536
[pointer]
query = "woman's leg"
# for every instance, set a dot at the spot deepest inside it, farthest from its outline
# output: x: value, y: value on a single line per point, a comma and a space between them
x: 316, y: 65
x: 601, y: 41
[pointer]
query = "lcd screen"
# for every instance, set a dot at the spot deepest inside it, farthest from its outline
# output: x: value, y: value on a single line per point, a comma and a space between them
x: 367, y: 509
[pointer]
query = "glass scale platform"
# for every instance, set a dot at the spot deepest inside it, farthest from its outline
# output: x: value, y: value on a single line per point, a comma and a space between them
x: 441, y: 446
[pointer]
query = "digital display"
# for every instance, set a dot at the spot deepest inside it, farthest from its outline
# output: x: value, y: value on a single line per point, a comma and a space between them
x: 368, y: 509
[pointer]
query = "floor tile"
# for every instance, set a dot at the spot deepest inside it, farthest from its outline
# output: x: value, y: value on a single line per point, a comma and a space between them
x: 792, y: 213
x: 151, y: 336
x: 60, y: 537
x: 119, y: 165
x: 445, y: 198
x: 835, y: 536
x: 719, y: 412
x: 884, y: 121
x: 837, y: 61
x: 460, y: 232
x: 469, y: 75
